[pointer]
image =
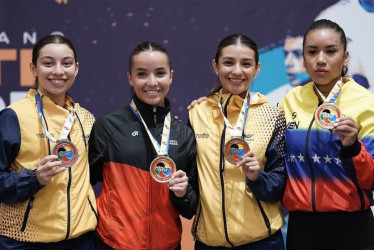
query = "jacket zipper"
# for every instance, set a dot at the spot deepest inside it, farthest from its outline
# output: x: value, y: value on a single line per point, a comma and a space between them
x: 68, y: 206
x: 222, y: 169
x: 312, y: 176
x: 26, y: 217
x: 68, y: 202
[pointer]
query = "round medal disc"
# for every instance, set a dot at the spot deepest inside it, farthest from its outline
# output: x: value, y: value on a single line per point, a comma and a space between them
x: 235, y: 149
x: 66, y: 152
x: 327, y: 114
x: 162, y: 169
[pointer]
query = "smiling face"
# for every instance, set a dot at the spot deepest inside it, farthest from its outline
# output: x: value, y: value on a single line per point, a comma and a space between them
x: 151, y: 77
x: 324, y: 57
x: 55, y: 71
x: 236, y: 68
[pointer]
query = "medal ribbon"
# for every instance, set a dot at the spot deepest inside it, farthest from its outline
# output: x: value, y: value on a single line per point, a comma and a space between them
x: 162, y: 150
x: 238, y: 129
x: 333, y: 93
x: 65, y: 129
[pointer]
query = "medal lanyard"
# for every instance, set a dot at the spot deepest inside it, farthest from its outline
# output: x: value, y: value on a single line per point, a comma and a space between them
x: 238, y: 129
x: 333, y: 93
x: 65, y: 129
x: 162, y: 150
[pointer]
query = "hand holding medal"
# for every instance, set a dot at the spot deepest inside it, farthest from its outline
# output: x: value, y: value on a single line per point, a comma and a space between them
x: 178, y: 183
x: 47, y: 168
x: 66, y: 151
x: 328, y: 112
x: 347, y: 130
x: 250, y: 166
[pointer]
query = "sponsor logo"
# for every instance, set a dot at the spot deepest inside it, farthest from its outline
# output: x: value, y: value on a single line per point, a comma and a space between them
x: 293, y: 125
x: 202, y: 135
x: 173, y: 142
x: 41, y: 135
x: 248, y: 137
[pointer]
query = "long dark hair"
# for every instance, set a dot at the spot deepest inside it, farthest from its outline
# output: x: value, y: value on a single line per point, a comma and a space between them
x: 147, y: 46
x: 233, y: 39
x: 328, y: 24
x: 57, y: 39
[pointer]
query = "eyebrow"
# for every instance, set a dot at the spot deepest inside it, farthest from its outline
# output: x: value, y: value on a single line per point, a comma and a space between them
x: 231, y: 58
x: 51, y: 57
x: 328, y: 46
x: 143, y: 69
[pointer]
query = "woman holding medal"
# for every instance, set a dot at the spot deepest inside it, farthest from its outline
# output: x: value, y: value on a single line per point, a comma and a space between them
x: 240, y: 156
x: 145, y: 160
x: 46, y: 199
x: 329, y: 149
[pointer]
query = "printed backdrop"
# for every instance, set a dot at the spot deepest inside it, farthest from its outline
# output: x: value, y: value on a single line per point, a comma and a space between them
x: 104, y: 33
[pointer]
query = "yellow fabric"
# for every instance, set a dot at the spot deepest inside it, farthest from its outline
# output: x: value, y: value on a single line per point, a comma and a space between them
x: 245, y: 223
x: 48, y: 218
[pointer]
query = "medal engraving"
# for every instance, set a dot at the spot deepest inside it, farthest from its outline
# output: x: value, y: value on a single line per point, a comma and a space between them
x: 162, y: 169
x: 235, y: 149
x: 66, y: 152
x: 327, y: 114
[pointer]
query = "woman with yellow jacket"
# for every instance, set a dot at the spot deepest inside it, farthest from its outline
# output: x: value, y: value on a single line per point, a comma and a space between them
x: 47, y: 201
x: 240, y: 156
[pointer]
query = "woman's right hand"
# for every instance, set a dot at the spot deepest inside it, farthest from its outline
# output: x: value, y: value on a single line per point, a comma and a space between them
x: 194, y: 102
x: 47, y: 168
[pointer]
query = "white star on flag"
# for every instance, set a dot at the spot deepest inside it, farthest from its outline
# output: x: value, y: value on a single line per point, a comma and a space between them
x: 316, y: 158
x: 338, y: 161
x: 327, y: 159
x: 301, y: 157
x: 292, y: 158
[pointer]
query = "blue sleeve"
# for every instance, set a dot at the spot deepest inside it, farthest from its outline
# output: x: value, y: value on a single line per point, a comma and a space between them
x: 271, y: 182
x: 14, y: 187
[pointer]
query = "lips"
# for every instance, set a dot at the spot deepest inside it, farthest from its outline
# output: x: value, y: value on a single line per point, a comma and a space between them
x: 152, y: 92
x: 57, y: 81
x: 321, y: 72
x: 236, y: 81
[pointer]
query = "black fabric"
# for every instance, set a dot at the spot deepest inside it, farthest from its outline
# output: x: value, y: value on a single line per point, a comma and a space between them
x: 121, y: 138
x: 331, y: 230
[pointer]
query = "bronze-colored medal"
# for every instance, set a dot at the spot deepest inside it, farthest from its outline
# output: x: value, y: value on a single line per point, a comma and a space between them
x: 162, y: 169
x: 235, y: 149
x: 326, y: 114
x: 66, y: 152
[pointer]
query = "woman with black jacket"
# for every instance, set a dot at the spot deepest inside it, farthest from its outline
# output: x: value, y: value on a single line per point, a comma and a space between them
x: 146, y: 161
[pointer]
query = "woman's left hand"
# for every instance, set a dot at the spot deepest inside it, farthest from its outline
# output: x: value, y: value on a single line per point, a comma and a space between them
x: 347, y: 130
x: 250, y: 166
x: 178, y: 183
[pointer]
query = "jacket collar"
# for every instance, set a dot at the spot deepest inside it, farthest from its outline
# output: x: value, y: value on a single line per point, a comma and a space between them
x: 152, y: 115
